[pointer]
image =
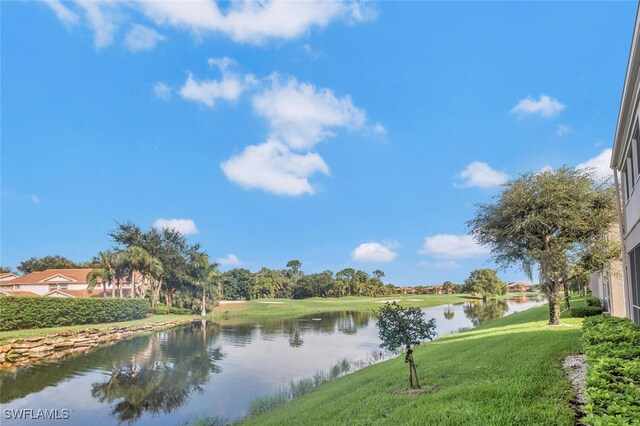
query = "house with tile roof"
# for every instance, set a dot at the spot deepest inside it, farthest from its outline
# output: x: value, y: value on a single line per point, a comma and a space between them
x: 61, y: 283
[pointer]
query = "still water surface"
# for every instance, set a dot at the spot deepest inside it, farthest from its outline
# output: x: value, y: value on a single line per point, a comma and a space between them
x: 171, y: 377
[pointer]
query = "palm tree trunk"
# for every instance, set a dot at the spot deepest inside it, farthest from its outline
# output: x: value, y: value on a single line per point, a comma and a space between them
x: 203, y: 311
x: 133, y: 285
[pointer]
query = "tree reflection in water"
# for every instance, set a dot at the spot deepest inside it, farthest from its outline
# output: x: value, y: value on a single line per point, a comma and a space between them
x: 162, y: 376
x: 449, y: 314
x: 295, y: 340
x: 480, y: 312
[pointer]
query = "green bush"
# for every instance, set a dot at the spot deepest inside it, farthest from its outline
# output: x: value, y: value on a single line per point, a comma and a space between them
x: 585, y: 311
x: 612, y: 346
x: 593, y: 301
x: 38, y: 312
x: 166, y: 310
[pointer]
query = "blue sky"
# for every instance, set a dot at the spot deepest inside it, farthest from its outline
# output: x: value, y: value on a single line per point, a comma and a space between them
x: 340, y: 134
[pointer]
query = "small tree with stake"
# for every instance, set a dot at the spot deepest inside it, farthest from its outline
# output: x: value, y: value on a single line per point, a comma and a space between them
x: 404, y: 327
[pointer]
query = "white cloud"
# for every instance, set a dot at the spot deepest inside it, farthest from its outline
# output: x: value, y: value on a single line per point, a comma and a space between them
x: 449, y: 246
x: 253, y: 22
x: 563, y: 129
x: 34, y: 199
x: 64, y: 14
x: 229, y: 260
x: 599, y: 165
x: 229, y: 88
x: 272, y: 167
x: 544, y: 106
x: 162, y: 90
x: 103, y: 18
x: 481, y: 175
x: 379, y: 129
x: 313, y: 54
x: 301, y: 115
x: 373, y: 252
x: 184, y: 226
x: 142, y: 38
x: 546, y: 168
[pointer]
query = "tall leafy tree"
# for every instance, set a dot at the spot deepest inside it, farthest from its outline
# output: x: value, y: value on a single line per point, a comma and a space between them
x: 407, y: 328
x: 5, y: 270
x: 236, y: 284
x: 167, y: 245
x: 485, y: 282
x: 547, y: 220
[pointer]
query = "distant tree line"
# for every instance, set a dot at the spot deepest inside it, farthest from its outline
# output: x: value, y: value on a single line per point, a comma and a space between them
x: 181, y: 274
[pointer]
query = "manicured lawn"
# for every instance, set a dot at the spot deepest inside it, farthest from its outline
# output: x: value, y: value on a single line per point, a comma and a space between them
x: 274, y: 308
x: 16, y: 334
x: 506, y: 372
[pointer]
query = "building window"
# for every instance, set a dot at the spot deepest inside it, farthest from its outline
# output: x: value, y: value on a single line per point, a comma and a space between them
x: 64, y: 286
x: 16, y: 286
x: 53, y: 287
x: 636, y: 143
x: 634, y: 258
x: 631, y: 179
x: 625, y: 183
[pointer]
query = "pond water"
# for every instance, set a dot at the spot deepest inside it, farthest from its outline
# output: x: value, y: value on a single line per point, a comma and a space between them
x: 208, y: 368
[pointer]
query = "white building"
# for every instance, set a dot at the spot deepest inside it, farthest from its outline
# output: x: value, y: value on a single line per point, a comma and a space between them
x: 625, y: 160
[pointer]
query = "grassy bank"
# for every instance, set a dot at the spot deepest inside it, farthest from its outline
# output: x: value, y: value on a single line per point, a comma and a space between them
x: 505, y: 372
x: 281, y: 308
x: 16, y: 334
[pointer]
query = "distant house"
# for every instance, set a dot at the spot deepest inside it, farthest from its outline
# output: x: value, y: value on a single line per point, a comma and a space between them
x: 434, y: 289
x: 17, y: 293
x: 406, y: 290
x: 6, y: 276
x: 519, y: 286
x: 43, y: 282
x: 59, y: 283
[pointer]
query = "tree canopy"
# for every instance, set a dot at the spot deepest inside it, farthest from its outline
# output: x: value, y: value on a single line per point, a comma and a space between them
x: 484, y: 282
x: 35, y: 264
x: 404, y: 327
x: 549, y: 220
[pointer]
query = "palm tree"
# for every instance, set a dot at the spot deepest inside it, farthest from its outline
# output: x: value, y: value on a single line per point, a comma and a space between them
x: 205, y: 276
x: 138, y: 259
x: 105, y: 273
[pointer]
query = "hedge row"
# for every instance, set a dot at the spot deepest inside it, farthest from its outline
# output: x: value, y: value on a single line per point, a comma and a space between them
x: 39, y: 312
x: 612, y: 346
x: 585, y: 311
x: 166, y: 310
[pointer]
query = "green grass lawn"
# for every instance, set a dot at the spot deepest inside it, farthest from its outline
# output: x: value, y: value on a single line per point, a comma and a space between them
x: 506, y: 372
x: 153, y: 319
x: 277, y: 308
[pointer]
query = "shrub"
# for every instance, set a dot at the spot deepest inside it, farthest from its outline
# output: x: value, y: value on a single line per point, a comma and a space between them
x: 593, y: 301
x: 39, y: 312
x: 612, y: 346
x: 166, y: 310
x: 585, y: 311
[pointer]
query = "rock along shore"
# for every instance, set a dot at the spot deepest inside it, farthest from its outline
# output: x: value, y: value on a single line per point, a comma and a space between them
x: 29, y: 350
